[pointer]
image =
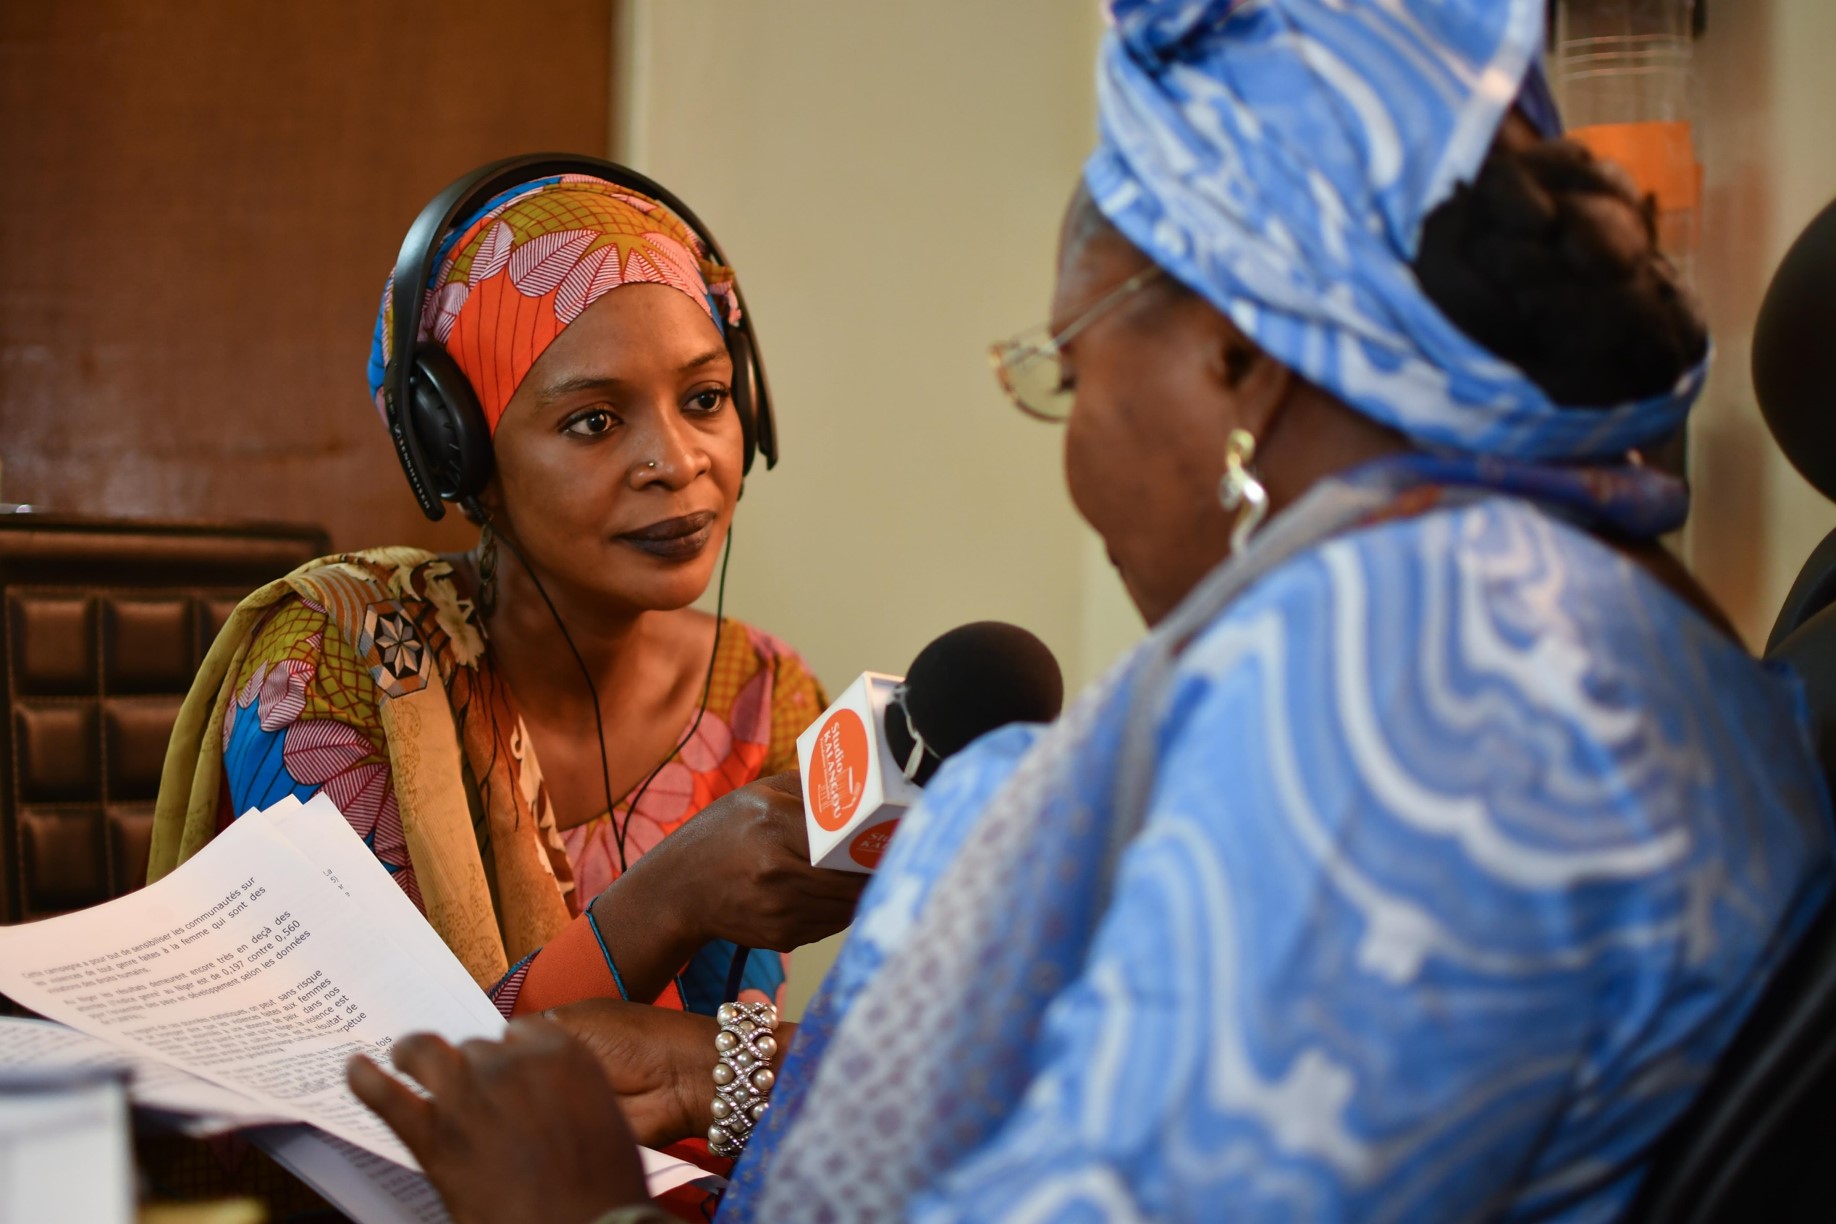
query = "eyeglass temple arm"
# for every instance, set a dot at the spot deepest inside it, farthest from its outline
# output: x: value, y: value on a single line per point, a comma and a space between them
x: 1096, y: 308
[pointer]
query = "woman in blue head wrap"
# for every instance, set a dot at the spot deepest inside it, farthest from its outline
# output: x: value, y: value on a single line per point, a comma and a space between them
x: 1437, y: 840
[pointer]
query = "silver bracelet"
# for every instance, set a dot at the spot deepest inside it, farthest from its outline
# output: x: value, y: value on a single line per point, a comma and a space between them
x: 743, y: 1077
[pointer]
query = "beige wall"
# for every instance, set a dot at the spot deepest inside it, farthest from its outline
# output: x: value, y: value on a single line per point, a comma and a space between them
x: 1770, y: 165
x: 887, y: 179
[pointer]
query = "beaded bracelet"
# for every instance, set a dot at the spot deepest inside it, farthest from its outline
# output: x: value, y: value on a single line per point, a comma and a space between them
x: 743, y: 1077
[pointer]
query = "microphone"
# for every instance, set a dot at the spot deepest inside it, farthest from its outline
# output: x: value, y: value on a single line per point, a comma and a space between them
x: 866, y: 760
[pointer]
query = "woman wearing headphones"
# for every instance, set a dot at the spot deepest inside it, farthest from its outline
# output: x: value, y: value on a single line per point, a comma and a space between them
x: 553, y: 753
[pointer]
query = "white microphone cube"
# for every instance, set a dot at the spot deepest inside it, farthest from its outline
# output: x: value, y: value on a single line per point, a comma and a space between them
x: 853, y: 791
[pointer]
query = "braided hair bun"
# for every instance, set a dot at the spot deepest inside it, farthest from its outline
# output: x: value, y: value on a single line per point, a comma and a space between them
x: 1549, y: 259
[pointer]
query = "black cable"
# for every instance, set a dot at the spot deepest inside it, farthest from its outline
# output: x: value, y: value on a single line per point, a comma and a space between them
x: 605, y: 763
x: 736, y: 974
x: 472, y: 506
x: 707, y: 687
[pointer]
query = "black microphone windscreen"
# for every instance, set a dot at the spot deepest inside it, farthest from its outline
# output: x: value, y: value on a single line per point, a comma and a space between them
x: 973, y: 680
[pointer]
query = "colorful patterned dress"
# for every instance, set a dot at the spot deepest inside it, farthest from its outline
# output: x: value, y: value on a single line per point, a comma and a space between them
x: 367, y: 676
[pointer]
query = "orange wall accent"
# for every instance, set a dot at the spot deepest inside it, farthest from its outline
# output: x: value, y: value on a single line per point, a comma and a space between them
x: 1659, y: 155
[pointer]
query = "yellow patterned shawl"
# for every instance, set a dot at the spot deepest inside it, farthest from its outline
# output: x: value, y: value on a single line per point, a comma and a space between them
x: 406, y: 649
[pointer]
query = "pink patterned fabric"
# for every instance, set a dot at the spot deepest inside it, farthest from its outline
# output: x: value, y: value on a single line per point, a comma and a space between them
x: 526, y: 268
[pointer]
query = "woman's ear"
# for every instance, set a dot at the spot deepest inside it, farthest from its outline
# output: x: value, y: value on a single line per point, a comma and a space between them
x: 1256, y: 383
x: 490, y: 499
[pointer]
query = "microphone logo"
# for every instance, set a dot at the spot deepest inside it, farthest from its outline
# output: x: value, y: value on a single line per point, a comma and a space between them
x: 838, y: 769
x: 868, y: 848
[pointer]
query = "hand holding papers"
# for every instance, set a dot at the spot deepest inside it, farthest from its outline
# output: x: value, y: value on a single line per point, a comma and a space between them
x: 257, y: 966
x: 261, y: 966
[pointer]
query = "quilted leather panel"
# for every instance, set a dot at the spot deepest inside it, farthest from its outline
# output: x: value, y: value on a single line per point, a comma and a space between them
x: 148, y: 644
x: 102, y: 627
x: 215, y: 614
x: 64, y: 853
x: 60, y: 751
x: 130, y: 836
x: 54, y: 644
x: 136, y: 731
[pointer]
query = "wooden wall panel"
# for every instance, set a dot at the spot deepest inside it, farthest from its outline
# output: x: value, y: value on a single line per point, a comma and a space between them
x: 199, y: 201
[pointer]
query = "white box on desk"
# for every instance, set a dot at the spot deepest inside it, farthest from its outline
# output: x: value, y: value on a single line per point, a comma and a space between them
x: 853, y: 791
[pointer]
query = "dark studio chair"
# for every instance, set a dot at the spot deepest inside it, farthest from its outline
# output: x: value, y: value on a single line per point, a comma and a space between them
x: 104, y: 624
x: 1760, y: 1143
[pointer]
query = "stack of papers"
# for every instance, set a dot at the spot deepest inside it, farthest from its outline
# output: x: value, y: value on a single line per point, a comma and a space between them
x: 237, y: 988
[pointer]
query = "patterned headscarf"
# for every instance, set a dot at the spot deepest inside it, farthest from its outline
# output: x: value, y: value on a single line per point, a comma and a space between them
x: 510, y: 278
x: 1280, y: 157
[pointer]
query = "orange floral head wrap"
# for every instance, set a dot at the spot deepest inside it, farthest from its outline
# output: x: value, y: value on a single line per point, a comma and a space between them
x: 512, y: 277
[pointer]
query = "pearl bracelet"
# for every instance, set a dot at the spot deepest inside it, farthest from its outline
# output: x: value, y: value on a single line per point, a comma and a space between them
x: 743, y: 1076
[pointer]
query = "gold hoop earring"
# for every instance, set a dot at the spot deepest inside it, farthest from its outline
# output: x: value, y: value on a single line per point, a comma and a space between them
x: 1240, y: 492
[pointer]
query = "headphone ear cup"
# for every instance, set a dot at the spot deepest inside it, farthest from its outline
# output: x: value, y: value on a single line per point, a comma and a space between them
x: 745, y: 391
x: 444, y: 414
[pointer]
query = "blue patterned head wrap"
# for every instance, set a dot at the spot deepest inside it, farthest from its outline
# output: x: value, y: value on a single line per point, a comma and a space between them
x: 1280, y: 157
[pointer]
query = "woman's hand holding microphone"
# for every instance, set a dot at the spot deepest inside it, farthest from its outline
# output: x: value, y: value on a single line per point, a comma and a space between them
x: 737, y: 870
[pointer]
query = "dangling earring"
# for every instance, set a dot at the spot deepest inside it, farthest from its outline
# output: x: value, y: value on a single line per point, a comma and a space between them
x: 1240, y: 491
x: 486, y: 562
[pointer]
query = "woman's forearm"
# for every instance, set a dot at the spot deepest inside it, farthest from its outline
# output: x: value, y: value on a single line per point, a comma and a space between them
x: 659, y: 1062
x: 646, y: 936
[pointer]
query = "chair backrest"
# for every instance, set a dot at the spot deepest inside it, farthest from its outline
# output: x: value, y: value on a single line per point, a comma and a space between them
x: 1757, y: 1144
x: 102, y: 626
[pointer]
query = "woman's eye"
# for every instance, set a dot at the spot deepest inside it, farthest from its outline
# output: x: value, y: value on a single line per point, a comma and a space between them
x: 708, y: 401
x: 591, y: 423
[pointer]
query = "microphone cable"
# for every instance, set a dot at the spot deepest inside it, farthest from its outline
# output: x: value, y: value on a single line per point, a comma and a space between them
x: 707, y: 687
x: 736, y: 974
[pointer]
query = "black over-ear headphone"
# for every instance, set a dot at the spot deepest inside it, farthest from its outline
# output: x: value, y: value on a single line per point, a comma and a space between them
x: 434, y: 418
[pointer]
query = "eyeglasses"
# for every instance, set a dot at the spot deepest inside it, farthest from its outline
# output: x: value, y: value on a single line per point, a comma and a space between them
x: 1031, y: 365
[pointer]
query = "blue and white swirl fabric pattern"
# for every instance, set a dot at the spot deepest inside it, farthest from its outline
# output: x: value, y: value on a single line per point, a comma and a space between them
x: 1415, y: 867
x: 1467, y: 850
x: 1280, y: 157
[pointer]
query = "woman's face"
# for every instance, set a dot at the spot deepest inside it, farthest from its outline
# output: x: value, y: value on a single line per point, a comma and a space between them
x: 1144, y: 446
x: 619, y: 457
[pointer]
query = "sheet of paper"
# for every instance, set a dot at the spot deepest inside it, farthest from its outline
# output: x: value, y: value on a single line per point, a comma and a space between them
x: 246, y: 968
x: 154, y: 1085
x: 361, y: 1184
x: 364, y: 1186
x: 664, y: 1173
x: 372, y: 1190
x: 319, y: 831
x: 236, y: 988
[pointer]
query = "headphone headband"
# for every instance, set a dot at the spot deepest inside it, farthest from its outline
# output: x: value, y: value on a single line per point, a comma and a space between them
x: 415, y: 265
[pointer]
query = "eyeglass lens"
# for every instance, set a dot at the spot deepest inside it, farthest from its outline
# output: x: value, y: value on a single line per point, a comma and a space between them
x: 1033, y: 377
